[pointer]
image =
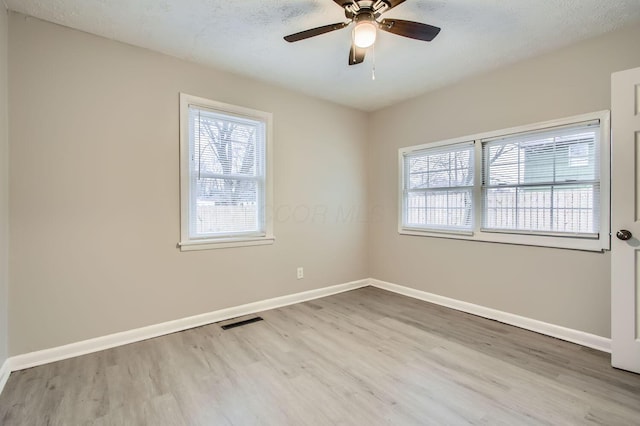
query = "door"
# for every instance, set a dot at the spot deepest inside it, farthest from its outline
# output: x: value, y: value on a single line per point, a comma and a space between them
x: 625, y: 220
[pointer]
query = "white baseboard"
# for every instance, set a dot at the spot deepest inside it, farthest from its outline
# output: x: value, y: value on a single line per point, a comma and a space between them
x: 575, y: 336
x: 5, y: 371
x: 32, y: 359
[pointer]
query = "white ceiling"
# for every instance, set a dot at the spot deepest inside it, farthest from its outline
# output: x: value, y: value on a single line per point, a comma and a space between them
x: 245, y: 37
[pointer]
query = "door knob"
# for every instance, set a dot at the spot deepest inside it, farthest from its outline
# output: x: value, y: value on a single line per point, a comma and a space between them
x: 624, y: 235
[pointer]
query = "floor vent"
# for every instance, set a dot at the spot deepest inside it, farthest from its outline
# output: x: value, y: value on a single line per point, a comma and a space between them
x: 241, y: 323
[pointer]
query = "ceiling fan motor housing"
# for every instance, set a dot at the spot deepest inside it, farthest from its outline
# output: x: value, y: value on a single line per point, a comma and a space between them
x: 364, y: 15
x: 354, y: 8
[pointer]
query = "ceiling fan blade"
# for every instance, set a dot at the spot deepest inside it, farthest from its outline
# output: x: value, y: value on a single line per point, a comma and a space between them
x: 315, y: 31
x: 392, y: 3
x: 409, y: 29
x: 343, y: 4
x: 356, y: 55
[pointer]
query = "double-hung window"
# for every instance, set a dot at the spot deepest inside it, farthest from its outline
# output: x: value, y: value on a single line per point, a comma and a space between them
x: 225, y: 175
x: 438, y: 188
x: 546, y: 184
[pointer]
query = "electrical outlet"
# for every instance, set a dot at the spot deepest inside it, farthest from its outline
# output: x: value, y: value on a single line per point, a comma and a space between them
x: 300, y: 272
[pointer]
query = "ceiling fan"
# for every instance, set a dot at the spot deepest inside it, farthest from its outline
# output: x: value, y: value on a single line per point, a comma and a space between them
x: 365, y: 15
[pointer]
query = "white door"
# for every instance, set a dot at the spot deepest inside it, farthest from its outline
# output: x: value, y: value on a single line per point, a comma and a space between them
x: 625, y: 220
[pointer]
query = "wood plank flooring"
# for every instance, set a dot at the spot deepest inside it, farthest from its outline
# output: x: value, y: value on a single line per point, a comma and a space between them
x: 365, y: 357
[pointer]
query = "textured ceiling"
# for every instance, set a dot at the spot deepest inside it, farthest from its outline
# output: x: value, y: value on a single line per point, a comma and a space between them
x: 245, y: 37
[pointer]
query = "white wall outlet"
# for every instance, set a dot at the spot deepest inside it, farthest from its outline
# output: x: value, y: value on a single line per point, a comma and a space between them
x: 300, y: 272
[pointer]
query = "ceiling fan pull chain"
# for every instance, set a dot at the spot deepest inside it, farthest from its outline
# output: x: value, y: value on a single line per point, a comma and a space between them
x: 373, y: 69
x: 353, y: 49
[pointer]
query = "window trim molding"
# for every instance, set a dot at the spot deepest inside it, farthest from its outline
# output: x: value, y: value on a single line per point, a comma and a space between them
x: 187, y: 243
x: 574, y: 242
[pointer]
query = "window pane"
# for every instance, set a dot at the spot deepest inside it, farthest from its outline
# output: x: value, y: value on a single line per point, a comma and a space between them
x: 565, y: 209
x: 440, y: 169
x: 440, y: 209
x: 566, y: 157
x: 223, y: 145
x: 500, y: 208
x: 504, y: 162
x: 575, y: 209
x: 226, y: 206
x: 578, y: 160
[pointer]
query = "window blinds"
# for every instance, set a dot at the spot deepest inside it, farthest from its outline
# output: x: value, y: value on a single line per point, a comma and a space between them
x: 227, y: 170
x: 544, y: 181
x: 438, y: 188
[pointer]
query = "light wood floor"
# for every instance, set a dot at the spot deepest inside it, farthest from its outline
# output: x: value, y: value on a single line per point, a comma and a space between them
x: 366, y: 357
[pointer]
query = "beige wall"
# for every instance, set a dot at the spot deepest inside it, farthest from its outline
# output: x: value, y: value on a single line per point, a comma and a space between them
x: 567, y: 288
x: 4, y: 186
x: 95, y: 207
x: 94, y: 191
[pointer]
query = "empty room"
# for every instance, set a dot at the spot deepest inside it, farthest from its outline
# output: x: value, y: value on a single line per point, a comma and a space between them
x: 319, y: 212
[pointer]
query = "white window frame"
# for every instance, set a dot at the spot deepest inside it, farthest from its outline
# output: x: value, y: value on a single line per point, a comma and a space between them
x: 597, y: 243
x: 187, y: 243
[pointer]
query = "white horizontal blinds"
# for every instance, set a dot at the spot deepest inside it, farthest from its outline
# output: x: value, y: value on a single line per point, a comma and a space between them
x: 543, y: 182
x: 227, y: 174
x: 438, y: 188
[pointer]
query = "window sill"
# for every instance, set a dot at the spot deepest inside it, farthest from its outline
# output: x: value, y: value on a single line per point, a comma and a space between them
x: 560, y: 242
x: 224, y: 243
x: 435, y: 232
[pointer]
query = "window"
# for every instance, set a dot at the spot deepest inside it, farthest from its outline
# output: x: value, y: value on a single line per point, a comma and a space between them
x: 535, y: 182
x: 546, y: 184
x: 225, y: 184
x: 438, y: 186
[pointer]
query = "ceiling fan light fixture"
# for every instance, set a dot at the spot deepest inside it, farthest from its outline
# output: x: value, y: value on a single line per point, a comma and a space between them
x: 364, y: 33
